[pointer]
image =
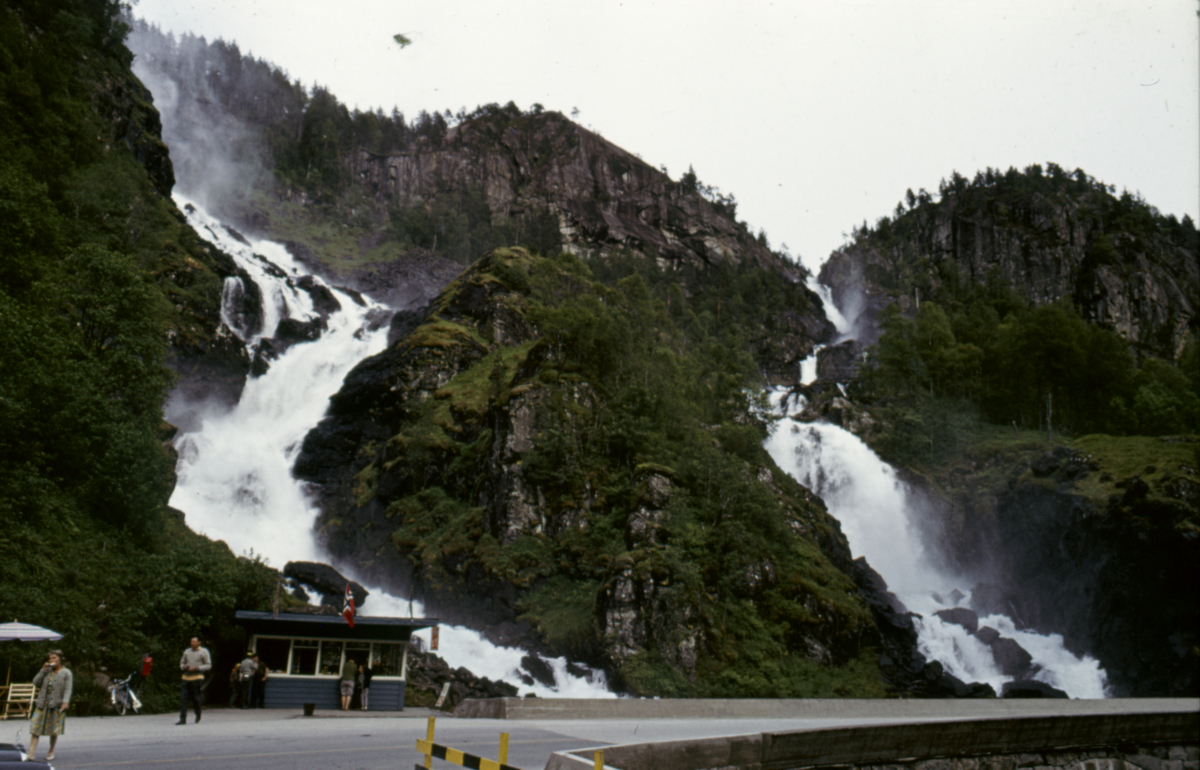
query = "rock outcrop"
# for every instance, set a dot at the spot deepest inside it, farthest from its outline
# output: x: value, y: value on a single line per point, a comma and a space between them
x: 330, y: 584
x: 904, y: 666
x: 1066, y: 238
x: 604, y: 200
x: 604, y: 197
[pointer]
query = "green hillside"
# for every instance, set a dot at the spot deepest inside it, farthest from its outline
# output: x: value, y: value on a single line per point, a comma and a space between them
x: 97, y: 272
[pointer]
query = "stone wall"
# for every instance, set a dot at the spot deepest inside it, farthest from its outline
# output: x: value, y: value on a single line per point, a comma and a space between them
x: 1110, y: 741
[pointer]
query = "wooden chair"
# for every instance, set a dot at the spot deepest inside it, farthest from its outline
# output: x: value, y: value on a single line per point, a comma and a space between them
x: 19, y: 702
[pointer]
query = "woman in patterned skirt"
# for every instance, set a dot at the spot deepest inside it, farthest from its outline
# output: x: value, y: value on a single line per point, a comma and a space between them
x: 54, y: 684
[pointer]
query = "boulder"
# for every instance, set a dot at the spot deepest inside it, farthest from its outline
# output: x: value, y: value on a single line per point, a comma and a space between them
x: 960, y: 616
x: 291, y: 331
x: 427, y: 674
x: 1010, y: 656
x: 955, y: 687
x: 264, y: 354
x: 538, y: 670
x: 839, y: 362
x: 987, y: 635
x: 1030, y: 689
x: 1050, y: 461
x: 322, y: 298
x: 326, y: 581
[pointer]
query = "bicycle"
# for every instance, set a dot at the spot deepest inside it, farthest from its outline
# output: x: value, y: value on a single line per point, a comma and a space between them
x: 123, y: 696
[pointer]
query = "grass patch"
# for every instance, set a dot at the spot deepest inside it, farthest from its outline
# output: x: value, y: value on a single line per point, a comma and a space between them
x: 1122, y: 457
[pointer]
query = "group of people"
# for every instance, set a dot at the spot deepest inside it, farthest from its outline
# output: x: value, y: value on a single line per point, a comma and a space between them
x: 248, y: 683
x: 54, y: 684
x: 355, y: 678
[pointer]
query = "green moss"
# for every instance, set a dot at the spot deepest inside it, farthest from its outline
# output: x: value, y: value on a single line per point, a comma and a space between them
x: 521, y: 562
x: 745, y: 674
x: 436, y: 529
x: 438, y: 333
x: 646, y: 673
x: 365, y: 484
x: 471, y: 391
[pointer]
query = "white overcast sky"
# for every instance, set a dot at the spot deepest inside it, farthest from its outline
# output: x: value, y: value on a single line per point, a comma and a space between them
x: 816, y: 114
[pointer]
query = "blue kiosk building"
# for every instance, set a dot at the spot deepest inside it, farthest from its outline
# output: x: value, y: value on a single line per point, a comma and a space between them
x: 305, y: 654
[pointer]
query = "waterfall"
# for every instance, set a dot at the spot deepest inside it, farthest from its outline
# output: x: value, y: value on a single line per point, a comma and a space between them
x: 877, y: 512
x: 235, y: 466
x: 808, y: 367
x: 843, y: 325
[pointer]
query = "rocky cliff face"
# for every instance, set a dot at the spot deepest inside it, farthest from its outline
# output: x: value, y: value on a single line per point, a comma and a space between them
x: 1050, y: 240
x: 604, y: 197
x: 603, y: 200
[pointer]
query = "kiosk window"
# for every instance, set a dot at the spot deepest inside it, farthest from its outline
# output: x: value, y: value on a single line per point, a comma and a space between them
x: 331, y: 658
x: 304, y: 656
x: 386, y: 659
x: 273, y: 653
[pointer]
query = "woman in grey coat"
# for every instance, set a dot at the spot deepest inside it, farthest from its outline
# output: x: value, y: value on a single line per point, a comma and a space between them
x: 54, y: 684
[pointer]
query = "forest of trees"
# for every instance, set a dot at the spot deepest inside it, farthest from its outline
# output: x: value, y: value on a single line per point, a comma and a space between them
x: 1008, y: 196
x: 88, y: 546
x: 981, y: 352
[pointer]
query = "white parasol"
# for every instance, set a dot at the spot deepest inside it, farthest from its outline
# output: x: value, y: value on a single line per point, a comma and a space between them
x: 24, y: 632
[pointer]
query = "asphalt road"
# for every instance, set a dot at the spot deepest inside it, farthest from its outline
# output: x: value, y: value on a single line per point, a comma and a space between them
x: 285, y: 740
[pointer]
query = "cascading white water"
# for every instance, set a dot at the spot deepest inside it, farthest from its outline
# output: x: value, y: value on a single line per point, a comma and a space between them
x: 875, y: 510
x: 808, y: 367
x: 832, y: 312
x: 235, y: 467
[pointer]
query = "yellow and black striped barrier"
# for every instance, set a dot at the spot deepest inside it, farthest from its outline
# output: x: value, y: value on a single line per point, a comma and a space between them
x: 461, y: 758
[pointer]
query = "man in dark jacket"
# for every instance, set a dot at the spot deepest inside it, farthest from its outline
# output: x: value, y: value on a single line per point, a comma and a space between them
x: 258, y: 690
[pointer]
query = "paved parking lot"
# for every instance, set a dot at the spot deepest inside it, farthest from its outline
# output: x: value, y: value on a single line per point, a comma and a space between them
x: 286, y: 740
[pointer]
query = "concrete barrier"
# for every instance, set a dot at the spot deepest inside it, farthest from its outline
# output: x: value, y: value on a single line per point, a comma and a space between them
x: 1165, y: 738
x: 890, y: 743
x: 815, y: 708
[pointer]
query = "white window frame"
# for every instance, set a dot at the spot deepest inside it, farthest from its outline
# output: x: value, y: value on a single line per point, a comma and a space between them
x: 342, y: 662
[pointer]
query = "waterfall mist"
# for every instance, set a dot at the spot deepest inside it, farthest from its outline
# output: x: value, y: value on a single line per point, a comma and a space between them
x: 235, y: 465
x: 217, y: 156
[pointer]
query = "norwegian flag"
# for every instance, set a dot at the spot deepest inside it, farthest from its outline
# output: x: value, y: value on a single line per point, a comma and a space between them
x: 348, y: 607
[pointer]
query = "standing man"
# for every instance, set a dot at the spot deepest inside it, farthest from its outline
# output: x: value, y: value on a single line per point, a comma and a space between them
x: 349, y: 673
x: 246, y: 672
x: 259, y: 690
x: 193, y: 664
